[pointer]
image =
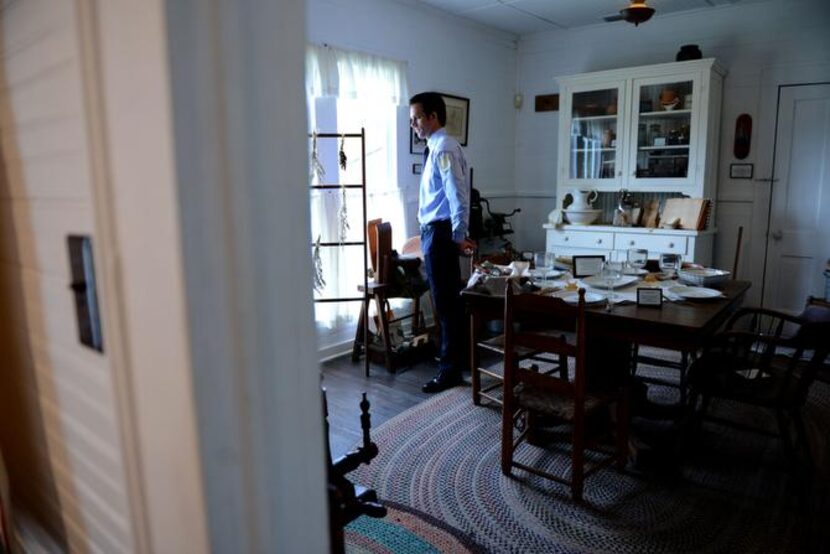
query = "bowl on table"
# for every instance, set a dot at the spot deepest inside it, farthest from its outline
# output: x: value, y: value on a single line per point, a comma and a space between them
x: 582, y: 217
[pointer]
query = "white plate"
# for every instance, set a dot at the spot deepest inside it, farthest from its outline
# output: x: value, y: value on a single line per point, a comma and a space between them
x: 597, y: 282
x: 695, y: 293
x: 632, y: 271
x: 572, y: 297
x: 539, y: 274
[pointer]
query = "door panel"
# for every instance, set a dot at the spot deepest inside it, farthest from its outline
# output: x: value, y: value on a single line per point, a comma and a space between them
x: 798, y: 241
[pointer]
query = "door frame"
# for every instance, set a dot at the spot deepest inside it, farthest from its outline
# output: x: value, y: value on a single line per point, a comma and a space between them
x: 773, y: 79
x: 142, y: 299
x: 220, y: 417
x: 775, y: 179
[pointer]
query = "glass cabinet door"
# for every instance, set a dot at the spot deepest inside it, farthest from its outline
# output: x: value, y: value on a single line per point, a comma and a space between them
x: 664, y: 130
x: 594, y: 128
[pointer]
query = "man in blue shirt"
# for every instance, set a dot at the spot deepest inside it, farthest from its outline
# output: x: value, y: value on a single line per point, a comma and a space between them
x: 444, y: 215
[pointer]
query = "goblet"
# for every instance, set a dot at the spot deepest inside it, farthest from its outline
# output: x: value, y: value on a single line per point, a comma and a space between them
x: 611, y: 273
x: 670, y: 263
x: 637, y: 259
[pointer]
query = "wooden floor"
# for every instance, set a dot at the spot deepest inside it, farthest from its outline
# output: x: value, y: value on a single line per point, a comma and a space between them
x: 388, y: 393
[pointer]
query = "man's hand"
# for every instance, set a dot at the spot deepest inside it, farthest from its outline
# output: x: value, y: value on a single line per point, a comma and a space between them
x: 466, y: 247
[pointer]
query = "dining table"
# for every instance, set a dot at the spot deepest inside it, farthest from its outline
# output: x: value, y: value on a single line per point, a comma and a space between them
x: 680, y: 323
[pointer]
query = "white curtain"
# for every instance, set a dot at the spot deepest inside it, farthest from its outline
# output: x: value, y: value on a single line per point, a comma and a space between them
x: 347, y: 91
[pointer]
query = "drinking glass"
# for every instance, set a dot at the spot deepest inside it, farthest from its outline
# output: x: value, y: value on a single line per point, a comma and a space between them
x: 543, y: 264
x: 611, y: 273
x: 637, y: 258
x: 670, y: 263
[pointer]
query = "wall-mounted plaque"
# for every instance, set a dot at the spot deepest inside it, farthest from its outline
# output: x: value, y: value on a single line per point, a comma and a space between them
x: 547, y: 103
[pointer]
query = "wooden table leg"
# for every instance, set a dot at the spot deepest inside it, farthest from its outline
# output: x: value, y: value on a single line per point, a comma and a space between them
x: 475, y: 376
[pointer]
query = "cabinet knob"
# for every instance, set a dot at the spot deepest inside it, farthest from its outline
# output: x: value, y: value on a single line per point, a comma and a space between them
x: 671, y: 245
x: 599, y: 241
x: 566, y: 239
x: 619, y: 174
x: 631, y: 243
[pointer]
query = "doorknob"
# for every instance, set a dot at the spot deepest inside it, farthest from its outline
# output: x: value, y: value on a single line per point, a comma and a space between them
x: 777, y: 235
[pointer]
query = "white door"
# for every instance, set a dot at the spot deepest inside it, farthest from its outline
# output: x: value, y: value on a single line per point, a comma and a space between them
x: 798, y: 241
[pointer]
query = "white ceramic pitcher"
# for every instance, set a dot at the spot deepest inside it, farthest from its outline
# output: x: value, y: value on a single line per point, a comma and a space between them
x: 582, y: 199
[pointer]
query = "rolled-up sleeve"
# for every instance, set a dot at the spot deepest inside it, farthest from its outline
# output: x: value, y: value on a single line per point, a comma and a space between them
x: 454, y: 178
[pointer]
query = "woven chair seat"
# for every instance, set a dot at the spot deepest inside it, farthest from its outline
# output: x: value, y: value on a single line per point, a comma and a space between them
x: 560, y: 407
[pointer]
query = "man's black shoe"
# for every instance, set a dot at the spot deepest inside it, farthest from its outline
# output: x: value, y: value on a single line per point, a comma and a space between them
x: 438, y: 384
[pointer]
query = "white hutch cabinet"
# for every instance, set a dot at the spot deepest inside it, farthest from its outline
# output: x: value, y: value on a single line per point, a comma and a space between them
x: 646, y: 129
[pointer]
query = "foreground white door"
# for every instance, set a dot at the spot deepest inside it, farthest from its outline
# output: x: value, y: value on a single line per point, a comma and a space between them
x: 798, y: 242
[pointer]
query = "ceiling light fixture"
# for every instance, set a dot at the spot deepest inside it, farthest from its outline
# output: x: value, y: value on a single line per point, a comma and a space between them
x: 637, y: 12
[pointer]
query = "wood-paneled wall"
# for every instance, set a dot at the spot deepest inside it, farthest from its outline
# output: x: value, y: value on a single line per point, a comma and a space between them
x: 58, y: 428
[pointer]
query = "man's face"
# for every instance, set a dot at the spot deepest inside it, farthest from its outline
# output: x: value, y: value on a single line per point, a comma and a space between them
x: 423, y: 125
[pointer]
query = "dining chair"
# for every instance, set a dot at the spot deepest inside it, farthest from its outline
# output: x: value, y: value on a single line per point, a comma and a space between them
x: 679, y: 360
x: 487, y: 349
x: 738, y: 244
x: 817, y: 310
x: 765, y: 359
x: 395, y: 276
x: 531, y: 397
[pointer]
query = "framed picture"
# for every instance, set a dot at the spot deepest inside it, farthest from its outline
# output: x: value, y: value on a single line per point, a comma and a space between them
x: 585, y: 266
x: 417, y: 145
x: 740, y: 171
x: 458, y: 117
x: 417, y: 169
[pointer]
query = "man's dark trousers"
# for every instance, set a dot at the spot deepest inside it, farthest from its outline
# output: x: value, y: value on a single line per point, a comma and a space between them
x: 441, y: 261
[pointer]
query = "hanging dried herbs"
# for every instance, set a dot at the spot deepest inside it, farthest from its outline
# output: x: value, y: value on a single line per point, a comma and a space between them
x: 342, y: 152
x: 318, y: 172
x: 317, y: 262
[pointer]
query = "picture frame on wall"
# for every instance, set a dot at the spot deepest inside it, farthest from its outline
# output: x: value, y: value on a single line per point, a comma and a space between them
x: 740, y: 171
x: 417, y: 145
x: 458, y: 117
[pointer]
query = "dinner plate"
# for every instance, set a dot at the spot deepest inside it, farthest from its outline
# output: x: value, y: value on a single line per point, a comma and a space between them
x: 542, y: 274
x: 634, y: 271
x: 572, y: 297
x: 597, y: 282
x: 695, y: 293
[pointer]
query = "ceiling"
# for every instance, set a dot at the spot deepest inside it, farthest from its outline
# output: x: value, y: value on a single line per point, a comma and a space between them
x: 531, y: 16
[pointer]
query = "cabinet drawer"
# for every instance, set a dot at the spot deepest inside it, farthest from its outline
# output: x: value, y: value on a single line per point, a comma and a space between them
x: 655, y: 244
x: 581, y: 239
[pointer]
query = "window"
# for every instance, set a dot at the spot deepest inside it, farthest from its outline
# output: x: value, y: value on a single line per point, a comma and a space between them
x: 347, y: 91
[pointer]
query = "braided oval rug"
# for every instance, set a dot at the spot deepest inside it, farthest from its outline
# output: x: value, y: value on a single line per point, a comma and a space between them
x: 732, y: 493
x: 405, y: 530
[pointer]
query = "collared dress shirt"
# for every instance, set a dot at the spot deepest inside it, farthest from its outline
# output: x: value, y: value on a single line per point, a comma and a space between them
x: 445, y: 192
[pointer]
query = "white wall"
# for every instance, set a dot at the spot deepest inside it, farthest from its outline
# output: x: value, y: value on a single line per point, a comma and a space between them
x: 444, y: 53
x: 750, y: 41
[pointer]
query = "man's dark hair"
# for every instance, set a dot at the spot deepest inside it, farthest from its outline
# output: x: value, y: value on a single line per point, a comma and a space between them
x: 431, y: 102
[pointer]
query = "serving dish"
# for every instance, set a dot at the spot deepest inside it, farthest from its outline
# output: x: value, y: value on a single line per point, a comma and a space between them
x: 702, y: 277
x: 581, y: 217
x: 695, y: 293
